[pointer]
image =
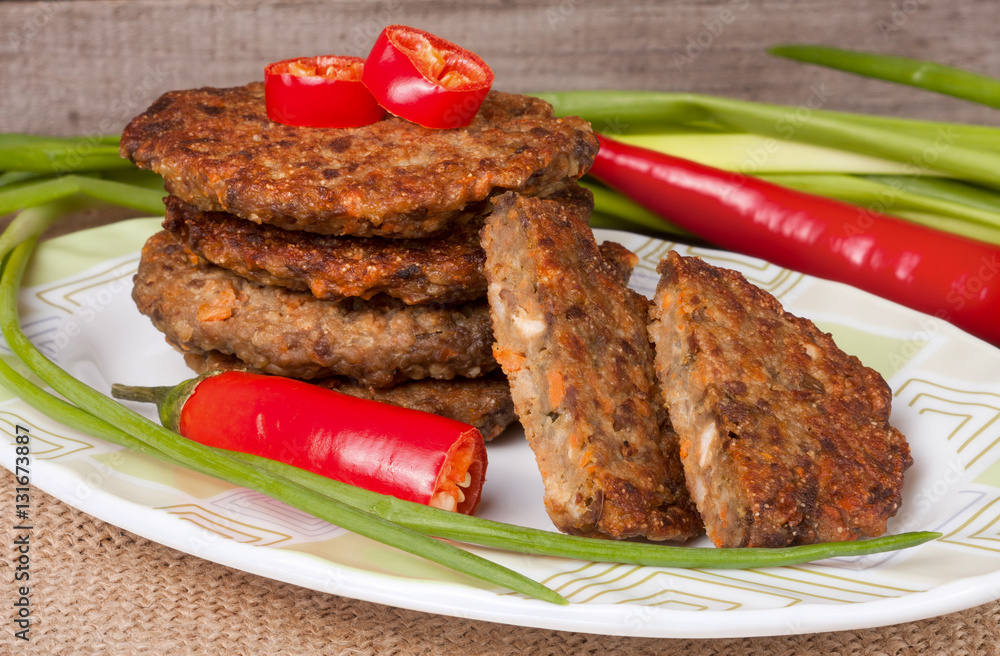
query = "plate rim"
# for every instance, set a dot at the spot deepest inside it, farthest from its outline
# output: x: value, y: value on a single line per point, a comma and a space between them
x: 511, y: 609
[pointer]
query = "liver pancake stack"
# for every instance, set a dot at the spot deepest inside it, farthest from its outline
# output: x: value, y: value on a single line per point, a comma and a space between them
x: 454, y: 272
x: 349, y: 257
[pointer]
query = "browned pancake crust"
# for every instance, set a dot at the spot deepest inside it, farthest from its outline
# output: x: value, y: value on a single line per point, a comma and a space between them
x: 785, y: 438
x: 202, y: 307
x: 481, y: 402
x: 621, y: 259
x: 217, y: 150
x: 446, y: 269
x: 572, y: 340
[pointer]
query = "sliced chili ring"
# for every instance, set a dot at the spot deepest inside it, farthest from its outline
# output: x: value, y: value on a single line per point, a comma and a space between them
x: 425, y: 79
x: 319, y: 92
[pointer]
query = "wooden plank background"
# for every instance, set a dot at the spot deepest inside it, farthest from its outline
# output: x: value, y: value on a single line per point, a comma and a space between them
x: 85, y: 66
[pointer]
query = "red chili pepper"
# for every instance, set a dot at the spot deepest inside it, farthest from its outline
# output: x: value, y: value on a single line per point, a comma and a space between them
x: 426, y: 79
x: 405, y: 453
x: 948, y: 276
x: 319, y: 92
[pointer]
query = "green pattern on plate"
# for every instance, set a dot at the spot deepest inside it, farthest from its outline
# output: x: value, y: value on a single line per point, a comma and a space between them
x: 883, y: 353
x: 69, y: 255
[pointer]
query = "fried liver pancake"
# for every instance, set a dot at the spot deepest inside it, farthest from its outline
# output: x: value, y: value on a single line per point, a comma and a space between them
x: 446, y: 269
x: 571, y: 338
x: 482, y: 402
x: 785, y: 439
x: 202, y: 307
x: 217, y: 150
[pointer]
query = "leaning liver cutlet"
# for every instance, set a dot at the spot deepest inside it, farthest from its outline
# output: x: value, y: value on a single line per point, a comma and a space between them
x: 571, y: 338
x: 785, y: 438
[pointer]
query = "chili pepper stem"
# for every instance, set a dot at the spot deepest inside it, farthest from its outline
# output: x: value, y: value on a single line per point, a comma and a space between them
x: 169, y: 400
x: 140, y: 394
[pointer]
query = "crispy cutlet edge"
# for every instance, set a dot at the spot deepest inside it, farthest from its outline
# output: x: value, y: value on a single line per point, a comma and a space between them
x: 702, y: 466
x: 699, y: 465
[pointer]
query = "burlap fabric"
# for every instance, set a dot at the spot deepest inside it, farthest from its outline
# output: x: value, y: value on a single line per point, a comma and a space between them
x: 101, y: 590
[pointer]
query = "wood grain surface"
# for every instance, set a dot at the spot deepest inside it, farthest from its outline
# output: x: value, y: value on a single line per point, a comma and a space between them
x: 85, y: 66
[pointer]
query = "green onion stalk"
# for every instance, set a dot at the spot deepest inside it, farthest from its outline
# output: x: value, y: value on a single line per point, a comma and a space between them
x: 40, y: 154
x: 917, y: 73
x: 949, y: 149
x: 944, y: 175
x: 35, y: 191
x: 881, y: 194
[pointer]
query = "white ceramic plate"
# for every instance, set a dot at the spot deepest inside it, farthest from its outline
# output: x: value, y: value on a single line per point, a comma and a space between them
x: 77, y: 308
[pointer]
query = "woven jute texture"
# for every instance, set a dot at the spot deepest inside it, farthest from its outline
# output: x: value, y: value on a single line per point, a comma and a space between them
x: 97, y: 589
